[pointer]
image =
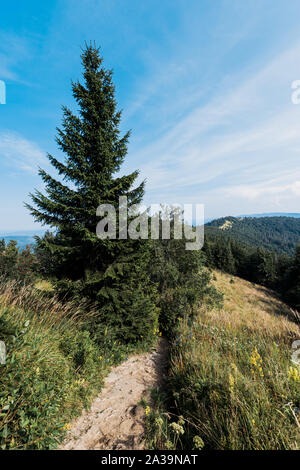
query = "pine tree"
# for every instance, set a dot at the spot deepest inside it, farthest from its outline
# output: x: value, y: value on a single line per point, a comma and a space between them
x: 111, y: 272
x: 291, y: 283
x: 209, y: 255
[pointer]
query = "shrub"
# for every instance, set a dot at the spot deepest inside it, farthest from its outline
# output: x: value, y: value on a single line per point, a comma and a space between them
x: 183, y: 282
x: 15, y: 263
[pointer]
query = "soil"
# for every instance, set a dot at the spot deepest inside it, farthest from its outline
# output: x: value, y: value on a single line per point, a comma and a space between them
x: 115, y: 420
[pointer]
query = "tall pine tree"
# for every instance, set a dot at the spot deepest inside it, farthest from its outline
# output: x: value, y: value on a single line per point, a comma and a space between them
x: 111, y: 272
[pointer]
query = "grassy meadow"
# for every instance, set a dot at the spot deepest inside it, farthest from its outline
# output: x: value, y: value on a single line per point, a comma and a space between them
x: 53, y: 368
x: 231, y: 382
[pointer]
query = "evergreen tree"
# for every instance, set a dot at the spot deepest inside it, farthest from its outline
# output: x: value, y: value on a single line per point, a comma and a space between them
x: 46, y: 261
x: 262, y: 268
x: 292, y: 282
x: 8, y: 258
x: 224, y: 259
x: 111, y: 272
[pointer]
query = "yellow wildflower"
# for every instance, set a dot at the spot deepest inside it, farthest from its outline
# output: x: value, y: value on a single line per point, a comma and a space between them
x: 232, y: 377
x: 80, y: 381
x: 256, y: 363
x: 294, y: 375
x: 231, y: 383
x: 147, y: 410
x: 158, y: 422
x: 169, y: 445
x: 67, y: 427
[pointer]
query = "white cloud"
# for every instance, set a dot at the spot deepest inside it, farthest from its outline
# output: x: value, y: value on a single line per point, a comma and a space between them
x: 249, y: 135
x: 260, y: 191
x: 20, y: 153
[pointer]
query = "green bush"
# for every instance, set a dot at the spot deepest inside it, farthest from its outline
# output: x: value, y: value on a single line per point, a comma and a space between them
x: 183, y: 282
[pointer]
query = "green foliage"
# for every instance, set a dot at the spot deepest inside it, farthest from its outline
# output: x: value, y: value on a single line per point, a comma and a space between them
x: 231, y: 383
x: 254, y: 264
x: 15, y: 263
x: 227, y: 407
x: 51, y: 370
x: 182, y: 279
x: 278, y: 272
x: 162, y: 430
x: 112, y: 273
x: 47, y: 258
x: 277, y: 234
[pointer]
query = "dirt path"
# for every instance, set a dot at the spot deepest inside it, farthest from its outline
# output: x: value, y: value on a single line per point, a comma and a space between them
x: 114, y: 420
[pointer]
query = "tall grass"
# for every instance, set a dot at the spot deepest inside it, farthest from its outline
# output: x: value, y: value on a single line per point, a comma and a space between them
x: 231, y: 378
x: 53, y: 367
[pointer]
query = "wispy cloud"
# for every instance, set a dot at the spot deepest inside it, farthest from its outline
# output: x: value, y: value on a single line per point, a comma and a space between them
x: 249, y: 134
x: 20, y: 154
x: 14, y: 50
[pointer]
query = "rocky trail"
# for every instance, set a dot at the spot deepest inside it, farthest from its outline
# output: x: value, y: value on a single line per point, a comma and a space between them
x: 115, y: 420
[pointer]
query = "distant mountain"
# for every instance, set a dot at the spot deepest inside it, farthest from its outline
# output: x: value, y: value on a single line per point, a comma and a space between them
x: 275, y: 233
x: 296, y: 215
x: 22, y: 241
x: 23, y: 238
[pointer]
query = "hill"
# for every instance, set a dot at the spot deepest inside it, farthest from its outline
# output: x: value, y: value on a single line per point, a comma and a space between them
x: 22, y: 241
x: 279, y: 233
x: 23, y: 238
x: 274, y: 214
x: 232, y: 381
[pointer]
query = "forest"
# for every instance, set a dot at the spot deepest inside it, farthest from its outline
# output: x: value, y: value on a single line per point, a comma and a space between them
x: 280, y: 234
x: 273, y: 269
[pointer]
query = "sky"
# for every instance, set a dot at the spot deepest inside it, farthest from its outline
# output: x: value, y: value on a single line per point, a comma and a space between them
x: 205, y: 87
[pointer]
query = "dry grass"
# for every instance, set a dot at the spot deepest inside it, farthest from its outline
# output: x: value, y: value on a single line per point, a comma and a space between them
x: 255, y: 307
x: 52, y: 366
x: 44, y: 285
x: 35, y: 304
x: 231, y: 375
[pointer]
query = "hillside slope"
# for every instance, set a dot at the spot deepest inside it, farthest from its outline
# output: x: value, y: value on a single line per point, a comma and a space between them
x: 53, y: 368
x: 280, y: 234
x: 232, y: 382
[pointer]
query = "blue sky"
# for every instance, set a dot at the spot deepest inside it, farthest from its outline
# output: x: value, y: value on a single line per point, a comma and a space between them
x: 205, y: 87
